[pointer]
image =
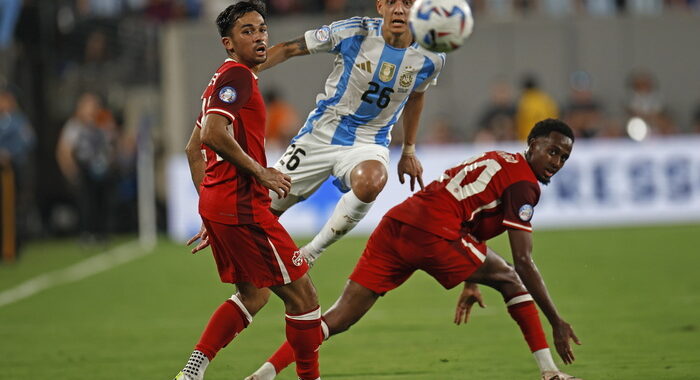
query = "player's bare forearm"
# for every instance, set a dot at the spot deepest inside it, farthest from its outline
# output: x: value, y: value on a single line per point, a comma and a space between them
x: 195, y: 158
x: 521, y: 247
x: 283, y: 51
x: 214, y: 135
x: 411, y: 117
x: 409, y: 163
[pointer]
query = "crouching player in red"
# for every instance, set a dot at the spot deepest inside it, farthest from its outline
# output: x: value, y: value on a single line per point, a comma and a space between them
x: 252, y: 250
x: 443, y: 229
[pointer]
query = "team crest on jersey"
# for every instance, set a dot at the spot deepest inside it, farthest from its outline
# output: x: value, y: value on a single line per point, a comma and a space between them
x: 227, y: 94
x: 525, y: 212
x: 386, y: 73
x: 297, y: 258
x: 323, y: 33
x: 406, y: 78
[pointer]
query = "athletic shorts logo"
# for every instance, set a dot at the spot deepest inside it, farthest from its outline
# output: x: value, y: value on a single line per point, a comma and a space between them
x: 525, y: 212
x: 227, y: 94
x: 323, y: 33
x: 298, y: 258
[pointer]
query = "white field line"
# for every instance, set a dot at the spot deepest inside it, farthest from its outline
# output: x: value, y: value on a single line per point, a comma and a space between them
x: 99, y: 263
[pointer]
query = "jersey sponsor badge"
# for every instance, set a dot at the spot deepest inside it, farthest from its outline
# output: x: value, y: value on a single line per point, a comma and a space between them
x: 386, y: 73
x: 525, y: 212
x: 323, y: 33
x: 227, y: 94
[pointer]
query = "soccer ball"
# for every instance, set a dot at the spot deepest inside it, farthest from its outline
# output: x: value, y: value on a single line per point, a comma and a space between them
x: 441, y: 25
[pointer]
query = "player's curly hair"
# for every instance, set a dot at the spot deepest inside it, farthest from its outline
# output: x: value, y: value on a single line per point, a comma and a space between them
x: 547, y: 126
x: 233, y: 12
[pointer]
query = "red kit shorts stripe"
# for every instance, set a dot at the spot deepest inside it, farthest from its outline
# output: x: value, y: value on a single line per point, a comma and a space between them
x: 263, y: 253
x: 396, y: 250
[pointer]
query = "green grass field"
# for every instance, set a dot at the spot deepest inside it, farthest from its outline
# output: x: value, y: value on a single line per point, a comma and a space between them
x: 632, y: 295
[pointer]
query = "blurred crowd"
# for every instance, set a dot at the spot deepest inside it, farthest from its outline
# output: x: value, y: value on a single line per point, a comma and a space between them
x: 512, y: 109
x: 79, y: 84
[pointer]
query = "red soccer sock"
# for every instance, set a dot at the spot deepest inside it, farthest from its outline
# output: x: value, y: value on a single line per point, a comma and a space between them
x: 523, y: 310
x: 283, y: 357
x: 226, y: 322
x: 304, y: 336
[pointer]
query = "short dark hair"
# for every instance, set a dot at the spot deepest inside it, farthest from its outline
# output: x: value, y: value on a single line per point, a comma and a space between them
x: 547, y: 126
x: 233, y: 12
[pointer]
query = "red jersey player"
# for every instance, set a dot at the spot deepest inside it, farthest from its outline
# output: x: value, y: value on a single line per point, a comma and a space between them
x: 442, y: 230
x: 227, y: 160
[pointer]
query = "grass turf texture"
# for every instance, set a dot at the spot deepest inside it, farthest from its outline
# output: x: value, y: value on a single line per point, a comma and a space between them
x: 631, y: 295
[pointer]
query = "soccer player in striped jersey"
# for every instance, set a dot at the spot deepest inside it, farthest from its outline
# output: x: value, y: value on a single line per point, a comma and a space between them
x: 226, y: 154
x: 443, y: 230
x: 379, y: 74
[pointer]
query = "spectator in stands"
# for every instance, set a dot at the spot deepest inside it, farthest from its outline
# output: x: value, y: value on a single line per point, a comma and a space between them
x: 584, y: 114
x: 16, y: 145
x: 645, y: 101
x: 9, y: 14
x: 282, y: 120
x: 86, y: 155
x: 16, y: 134
x: 534, y: 105
x: 497, y: 121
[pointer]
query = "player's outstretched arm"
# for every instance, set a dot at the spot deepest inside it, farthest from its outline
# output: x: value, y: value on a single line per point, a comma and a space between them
x: 521, y: 247
x: 214, y: 136
x: 409, y: 163
x: 283, y: 51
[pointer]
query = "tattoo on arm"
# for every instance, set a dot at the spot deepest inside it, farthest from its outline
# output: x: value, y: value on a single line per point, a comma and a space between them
x: 299, y: 44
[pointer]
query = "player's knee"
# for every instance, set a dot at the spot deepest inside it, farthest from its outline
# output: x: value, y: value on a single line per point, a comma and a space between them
x: 302, y: 299
x: 510, y: 281
x: 339, y: 326
x: 367, y: 189
x: 368, y: 180
x: 255, y: 301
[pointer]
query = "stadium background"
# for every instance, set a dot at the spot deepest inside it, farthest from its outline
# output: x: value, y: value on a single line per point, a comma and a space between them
x: 148, y: 61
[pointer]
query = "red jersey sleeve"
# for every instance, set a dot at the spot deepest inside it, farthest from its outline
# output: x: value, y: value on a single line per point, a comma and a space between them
x: 519, y: 200
x: 232, y: 91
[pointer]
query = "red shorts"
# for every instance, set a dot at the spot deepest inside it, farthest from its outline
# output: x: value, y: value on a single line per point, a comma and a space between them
x: 396, y: 250
x: 263, y: 254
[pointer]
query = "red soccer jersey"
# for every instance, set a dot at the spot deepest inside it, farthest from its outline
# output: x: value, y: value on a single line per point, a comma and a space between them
x: 227, y: 195
x: 482, y: 196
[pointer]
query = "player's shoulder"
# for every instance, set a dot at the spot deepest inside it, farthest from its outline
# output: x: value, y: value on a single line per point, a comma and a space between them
x: 506, y: 157
x: 231, y: 69
x: 437, y: 58
x: 233, y: 66
x: 356, y: 26
x: 428, y: 53
x: 514, y: 164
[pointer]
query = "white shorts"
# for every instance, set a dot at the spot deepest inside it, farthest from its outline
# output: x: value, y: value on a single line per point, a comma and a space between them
x: 309, y: 162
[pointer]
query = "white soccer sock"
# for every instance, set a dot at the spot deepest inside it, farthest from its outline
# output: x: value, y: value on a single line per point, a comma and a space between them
x: 348, y: 212
x: 265, y: 372
x: 325, y: 330
x: 544, y: 360
x: 196, y: 365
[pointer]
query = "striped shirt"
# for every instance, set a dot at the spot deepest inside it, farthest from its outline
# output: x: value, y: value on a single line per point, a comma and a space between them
x: 371, y: 80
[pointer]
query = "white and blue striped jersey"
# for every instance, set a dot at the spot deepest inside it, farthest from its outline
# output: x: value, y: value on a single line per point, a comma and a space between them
x: 370, y: 83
